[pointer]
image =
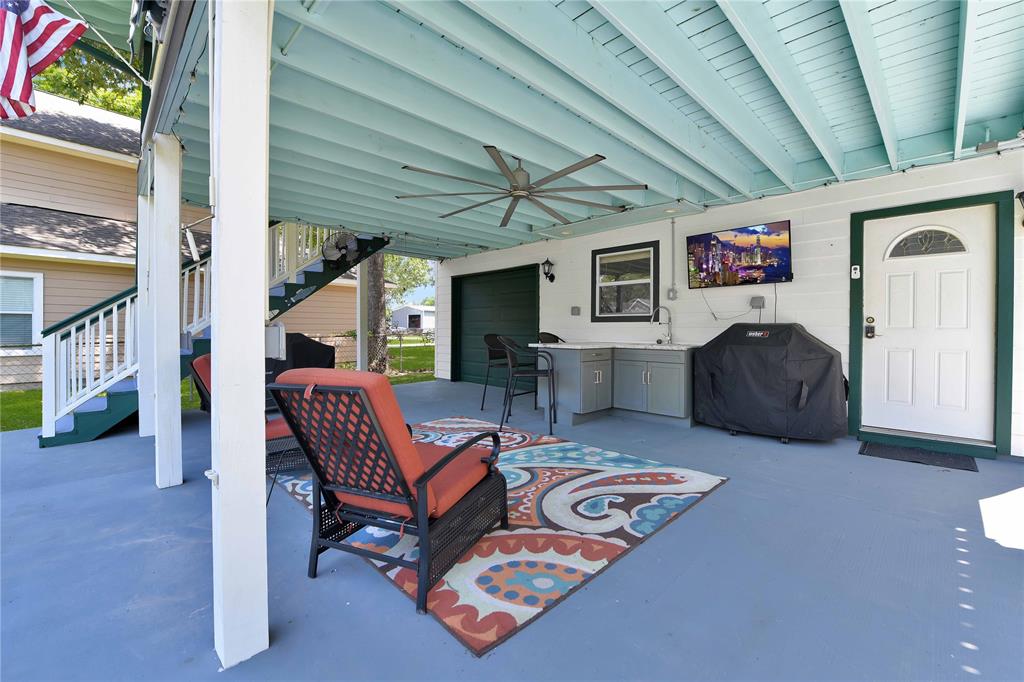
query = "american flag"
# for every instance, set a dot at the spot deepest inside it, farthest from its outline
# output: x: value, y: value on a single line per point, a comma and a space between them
x: 32, y: 36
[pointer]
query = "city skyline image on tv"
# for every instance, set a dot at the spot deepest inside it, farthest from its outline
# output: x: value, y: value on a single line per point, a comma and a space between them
x: 758, y: 254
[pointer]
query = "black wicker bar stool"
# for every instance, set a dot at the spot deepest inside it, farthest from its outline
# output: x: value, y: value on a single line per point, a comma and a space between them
x: 524, y: 363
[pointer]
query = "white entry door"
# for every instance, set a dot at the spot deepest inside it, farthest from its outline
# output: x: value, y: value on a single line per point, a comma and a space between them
x: 929, y: 293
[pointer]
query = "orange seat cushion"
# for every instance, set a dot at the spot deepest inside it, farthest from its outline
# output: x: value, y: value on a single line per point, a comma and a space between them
x: 449, y: 486
x: 277, y: 428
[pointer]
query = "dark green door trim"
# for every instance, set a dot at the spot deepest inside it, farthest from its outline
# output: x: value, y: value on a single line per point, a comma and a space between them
x: 455, y: 358
x: 1003, y: 202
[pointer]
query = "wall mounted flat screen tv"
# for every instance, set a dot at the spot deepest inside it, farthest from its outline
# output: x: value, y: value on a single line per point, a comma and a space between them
x: 758, y: 254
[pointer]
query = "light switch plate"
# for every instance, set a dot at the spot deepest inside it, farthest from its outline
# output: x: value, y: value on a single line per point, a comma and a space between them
x: 574, y: 311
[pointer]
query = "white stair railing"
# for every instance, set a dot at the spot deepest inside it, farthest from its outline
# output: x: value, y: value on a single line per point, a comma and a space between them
x: 87, y: 354
x: 292, y: 247
x: 195, y: 296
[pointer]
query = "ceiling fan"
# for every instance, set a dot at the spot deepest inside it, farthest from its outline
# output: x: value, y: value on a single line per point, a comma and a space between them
x: 520, y: 188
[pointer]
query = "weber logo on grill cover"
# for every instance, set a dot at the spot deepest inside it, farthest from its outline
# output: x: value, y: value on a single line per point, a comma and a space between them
x: 759, y: 334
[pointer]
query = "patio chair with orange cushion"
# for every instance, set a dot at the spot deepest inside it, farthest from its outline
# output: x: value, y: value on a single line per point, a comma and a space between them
x: 368, y: 471
x: 283, y: 452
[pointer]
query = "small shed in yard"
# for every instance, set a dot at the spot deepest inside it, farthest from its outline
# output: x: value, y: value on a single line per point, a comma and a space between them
x: 413, y: 317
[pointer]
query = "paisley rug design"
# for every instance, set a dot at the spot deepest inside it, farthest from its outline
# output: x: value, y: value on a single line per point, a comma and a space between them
x: 573, y: 510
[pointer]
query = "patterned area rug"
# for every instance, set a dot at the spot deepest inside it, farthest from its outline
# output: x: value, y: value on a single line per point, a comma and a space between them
x: 573, y: 509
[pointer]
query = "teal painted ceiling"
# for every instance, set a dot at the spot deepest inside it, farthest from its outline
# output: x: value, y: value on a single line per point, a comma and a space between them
x: 707, y: 103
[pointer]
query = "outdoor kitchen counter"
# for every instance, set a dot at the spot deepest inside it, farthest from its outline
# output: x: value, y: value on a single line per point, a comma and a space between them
x: 594, y: 377
x: 591, y: 345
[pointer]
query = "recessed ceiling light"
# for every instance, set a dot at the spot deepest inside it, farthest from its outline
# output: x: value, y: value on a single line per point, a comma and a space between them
x: 566, y: 232
x: 671, y: 210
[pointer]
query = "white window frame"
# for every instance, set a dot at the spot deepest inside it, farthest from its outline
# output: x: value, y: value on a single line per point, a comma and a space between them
x: 37, y: 314
x: 598, y: 284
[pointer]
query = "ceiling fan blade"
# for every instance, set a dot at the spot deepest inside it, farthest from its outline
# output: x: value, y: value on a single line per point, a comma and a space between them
x: 482, y: 203
x: 579, y: 165
x: 451, y: 177
x: 499, y: 161
x: 595, y: 188
x: 550, y: 211
x: 445, y: 194
x: 508, y: 212
x: 581, y: 202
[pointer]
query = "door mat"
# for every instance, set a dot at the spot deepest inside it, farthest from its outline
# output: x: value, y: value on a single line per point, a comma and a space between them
x: 573, y: 510
x: 930, y: 457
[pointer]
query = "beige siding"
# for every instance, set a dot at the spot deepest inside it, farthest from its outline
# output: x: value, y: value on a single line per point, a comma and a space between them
x: 33, y: 176
x: 49, y: 179
x: 330, y: 311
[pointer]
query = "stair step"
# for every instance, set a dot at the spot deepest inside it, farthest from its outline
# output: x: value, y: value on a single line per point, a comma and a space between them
x: 124, y: 386
x: 277, y: 290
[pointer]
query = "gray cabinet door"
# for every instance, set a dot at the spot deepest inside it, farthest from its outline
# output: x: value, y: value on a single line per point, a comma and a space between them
x: 590, y: 377
x: 665, y: 392
x: 630, y: 391
x: 603, y: 392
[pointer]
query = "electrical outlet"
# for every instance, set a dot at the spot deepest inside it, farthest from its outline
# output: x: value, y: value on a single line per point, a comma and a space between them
x: 574, y: 311
x: 757, y: 302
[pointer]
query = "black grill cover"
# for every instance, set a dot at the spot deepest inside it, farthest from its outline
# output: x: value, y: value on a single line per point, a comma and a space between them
x: 770, y: 379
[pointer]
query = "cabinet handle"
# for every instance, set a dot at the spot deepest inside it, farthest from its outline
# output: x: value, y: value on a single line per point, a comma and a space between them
x: 600, y: 376
x: 649, y: 377
x: 597, y: 376
x: 643, y: 377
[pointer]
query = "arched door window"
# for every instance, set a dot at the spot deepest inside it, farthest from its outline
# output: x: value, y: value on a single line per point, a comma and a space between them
x: 928, y: 241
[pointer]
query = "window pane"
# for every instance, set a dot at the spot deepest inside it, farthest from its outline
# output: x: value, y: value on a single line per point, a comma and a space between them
x: 16, y: 294
x: 927, y: 243
x: 623, y: 267
x: 15, y: 329
x: 625, y: 299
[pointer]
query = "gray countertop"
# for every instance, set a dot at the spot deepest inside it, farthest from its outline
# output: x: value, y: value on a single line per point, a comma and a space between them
x: 593, y: 345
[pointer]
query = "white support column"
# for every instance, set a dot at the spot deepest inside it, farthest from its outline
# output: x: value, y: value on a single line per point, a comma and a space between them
x: 239, y: 150
x: 165, y: 300
x: 362, y: 316
x: 147, y: 373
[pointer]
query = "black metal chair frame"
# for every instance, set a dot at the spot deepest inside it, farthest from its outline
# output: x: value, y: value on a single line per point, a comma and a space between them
x: 283, y: 454
x: 548, y: 337
x: 532, y: 369
x: 442, y: 540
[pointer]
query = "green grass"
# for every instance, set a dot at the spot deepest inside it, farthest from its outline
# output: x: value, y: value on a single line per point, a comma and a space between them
x: 416, y: 359
x: 24, y: 409
x: 406, y: 340
x: 21, y: 409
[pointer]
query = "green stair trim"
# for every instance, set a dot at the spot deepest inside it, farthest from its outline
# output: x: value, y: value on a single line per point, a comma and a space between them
x: 91, y: 425
x: 315, y: 281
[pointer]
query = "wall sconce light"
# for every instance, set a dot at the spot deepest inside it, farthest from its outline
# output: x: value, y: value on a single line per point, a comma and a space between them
x: 546, y: 267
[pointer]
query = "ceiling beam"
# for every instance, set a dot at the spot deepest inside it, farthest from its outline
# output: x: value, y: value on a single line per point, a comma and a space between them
x: 416, y: 70
x: 509, y: 53
x: 964, y: 62
x: 347, y: 118
x: 858, y: 24
x: 647, y: 26
x: 320, y: 169
x: 303, y: 193
x: 754, y: 25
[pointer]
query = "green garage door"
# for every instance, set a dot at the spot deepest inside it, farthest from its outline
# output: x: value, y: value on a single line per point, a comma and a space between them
x: 504, y: 302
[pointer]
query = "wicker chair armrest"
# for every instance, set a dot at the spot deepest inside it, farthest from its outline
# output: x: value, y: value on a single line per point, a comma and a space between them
x: 490, y: 459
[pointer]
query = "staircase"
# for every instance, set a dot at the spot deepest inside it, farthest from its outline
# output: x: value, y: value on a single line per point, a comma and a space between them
x: 91, y: 362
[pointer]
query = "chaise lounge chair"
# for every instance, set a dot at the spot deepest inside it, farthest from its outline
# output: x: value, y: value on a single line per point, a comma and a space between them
x: 283, y: 452
x: 367, y: 471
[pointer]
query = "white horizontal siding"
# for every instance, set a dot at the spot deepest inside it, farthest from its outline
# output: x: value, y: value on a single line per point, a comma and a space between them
x: 818, y: 297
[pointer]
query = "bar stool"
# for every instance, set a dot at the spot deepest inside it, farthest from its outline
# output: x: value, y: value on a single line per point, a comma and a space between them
x: 548, y: 337
x: 496, y: 357
x: 517, y: 369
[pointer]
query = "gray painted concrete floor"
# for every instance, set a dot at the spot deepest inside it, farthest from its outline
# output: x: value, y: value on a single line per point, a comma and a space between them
x: 811, y: 563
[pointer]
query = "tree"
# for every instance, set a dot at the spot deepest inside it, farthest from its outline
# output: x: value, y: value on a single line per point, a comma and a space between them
x: 378, y: 327
x: 405, y: 274
x: 88, y: 80
x: 429, y: 300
